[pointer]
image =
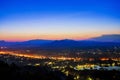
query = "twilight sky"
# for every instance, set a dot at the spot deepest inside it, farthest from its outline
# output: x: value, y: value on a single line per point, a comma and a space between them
x: 58, y: 19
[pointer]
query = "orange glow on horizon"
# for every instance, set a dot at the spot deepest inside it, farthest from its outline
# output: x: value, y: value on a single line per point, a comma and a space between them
x: 55, y: 36
x: 25, y: 37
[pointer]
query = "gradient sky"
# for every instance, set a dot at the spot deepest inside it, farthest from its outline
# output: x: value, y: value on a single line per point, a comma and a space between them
x: 58, y: 19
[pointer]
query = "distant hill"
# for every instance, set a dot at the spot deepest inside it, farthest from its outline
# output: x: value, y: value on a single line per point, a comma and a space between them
x: 29, y: 43
x: 79, y: 44
x: 38, y: 41
x: 107, y: 38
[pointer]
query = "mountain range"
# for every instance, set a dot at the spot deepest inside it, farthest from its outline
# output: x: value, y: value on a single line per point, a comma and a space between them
x: 104, y: 40
x: 107, y: 38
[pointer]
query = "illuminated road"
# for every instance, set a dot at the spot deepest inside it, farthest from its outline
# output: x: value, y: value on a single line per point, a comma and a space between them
x: 55, y: 58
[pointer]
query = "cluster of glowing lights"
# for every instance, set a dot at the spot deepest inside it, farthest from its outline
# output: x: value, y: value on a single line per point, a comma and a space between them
x: 23, y: 55
x: 66, y: 58
x: 86, y: 66
x: 54, y: 58
x: 104, y: 59
x: 38, y: 56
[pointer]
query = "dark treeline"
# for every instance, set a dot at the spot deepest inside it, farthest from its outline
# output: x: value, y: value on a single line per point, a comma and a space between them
x: 14, y: 72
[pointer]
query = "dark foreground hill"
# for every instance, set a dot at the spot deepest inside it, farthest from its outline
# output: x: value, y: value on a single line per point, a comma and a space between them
x: 14, y: 72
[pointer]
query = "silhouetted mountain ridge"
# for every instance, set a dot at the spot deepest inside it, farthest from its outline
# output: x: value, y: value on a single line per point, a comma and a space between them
x: 105, y: 40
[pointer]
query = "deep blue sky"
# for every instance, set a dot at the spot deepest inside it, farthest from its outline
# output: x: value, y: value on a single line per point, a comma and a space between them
x: 58, y: 19
x: 110, y: 8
